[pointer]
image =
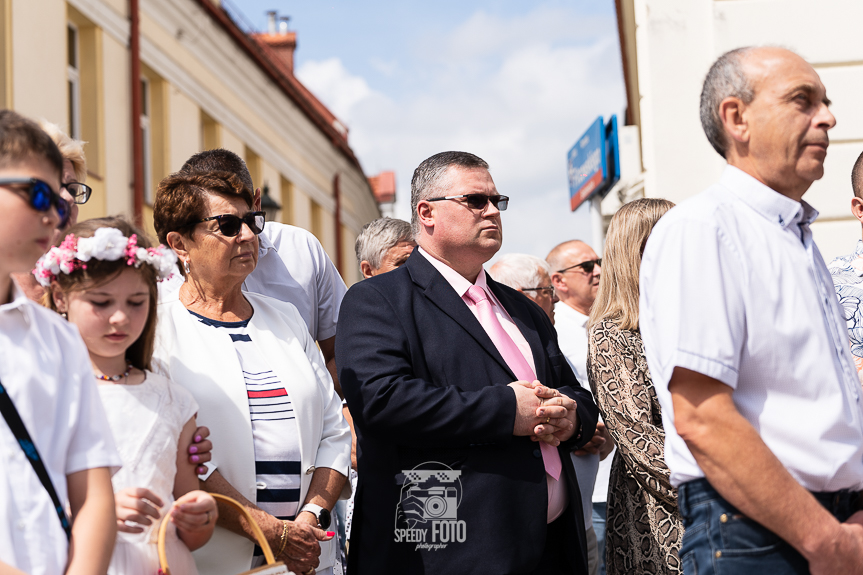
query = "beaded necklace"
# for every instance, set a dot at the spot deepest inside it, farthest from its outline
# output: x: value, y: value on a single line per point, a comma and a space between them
x: 116, y: 377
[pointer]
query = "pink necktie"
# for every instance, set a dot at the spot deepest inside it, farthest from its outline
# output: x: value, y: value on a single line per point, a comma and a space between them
x: 516, y: 362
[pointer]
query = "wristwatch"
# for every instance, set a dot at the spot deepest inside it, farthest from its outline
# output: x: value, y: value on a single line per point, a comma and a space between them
x: 321, y: 513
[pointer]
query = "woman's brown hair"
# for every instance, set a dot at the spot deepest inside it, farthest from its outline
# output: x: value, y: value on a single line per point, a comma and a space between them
x: 100, y: 272
x: 617, y: 297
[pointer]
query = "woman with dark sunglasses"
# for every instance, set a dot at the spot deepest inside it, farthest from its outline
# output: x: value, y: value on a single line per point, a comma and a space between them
x: 282, y: 446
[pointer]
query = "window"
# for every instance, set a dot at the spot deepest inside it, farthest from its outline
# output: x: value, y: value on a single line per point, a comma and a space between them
x: 73, y: 79
x: 211, y: 137
x: 287, y: 201
x: 147, y: 141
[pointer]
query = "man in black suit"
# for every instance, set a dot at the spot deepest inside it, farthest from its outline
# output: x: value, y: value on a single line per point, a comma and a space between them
x: 452, y: 479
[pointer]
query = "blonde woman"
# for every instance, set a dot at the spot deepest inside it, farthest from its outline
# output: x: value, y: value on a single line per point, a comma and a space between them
x: 644, y: 529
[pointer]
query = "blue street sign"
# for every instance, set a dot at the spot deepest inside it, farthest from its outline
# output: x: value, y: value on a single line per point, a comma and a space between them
x: 593, y: 163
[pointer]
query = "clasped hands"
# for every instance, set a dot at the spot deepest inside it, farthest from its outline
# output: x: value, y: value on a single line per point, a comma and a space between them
x: 543, y: 413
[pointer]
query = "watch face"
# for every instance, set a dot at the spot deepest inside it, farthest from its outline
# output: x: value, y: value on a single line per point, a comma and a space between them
x: 324, y: 518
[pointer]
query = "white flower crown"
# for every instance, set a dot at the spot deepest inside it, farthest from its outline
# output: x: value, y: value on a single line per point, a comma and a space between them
x: 107, y: 244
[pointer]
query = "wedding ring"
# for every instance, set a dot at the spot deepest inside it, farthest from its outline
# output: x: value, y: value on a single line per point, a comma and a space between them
x: 548, y: 420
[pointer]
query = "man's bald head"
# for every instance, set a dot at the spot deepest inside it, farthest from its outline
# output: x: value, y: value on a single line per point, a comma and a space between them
x: 857, y: 177
x: 559, y: 253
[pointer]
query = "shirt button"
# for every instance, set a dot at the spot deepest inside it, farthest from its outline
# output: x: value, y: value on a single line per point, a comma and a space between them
x: 537, y: 453
x: 21, y: 525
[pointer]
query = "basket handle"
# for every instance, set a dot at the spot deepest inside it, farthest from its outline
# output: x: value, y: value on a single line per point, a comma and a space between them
x: 256, y: 530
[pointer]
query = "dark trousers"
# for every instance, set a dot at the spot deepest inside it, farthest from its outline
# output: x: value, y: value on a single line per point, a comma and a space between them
x: 558, y: 557
x: 720, y: 540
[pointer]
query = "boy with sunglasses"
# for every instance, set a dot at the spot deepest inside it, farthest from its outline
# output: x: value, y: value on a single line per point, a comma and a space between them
x: 55, y: 441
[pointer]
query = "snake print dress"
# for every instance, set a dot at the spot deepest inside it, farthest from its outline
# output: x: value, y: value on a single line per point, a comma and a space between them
x: 644, y: 529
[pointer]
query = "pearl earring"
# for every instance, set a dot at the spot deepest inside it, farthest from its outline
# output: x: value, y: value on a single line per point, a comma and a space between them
x: 186, y: 267
x: 63, y: 315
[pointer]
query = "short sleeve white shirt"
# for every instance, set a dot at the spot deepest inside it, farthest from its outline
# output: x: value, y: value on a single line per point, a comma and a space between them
x: 292, y: 267
x: 734, y: 287
x: 46, y: 370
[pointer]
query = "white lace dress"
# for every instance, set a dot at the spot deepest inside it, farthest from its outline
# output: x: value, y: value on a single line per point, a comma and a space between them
x: 147, y: 420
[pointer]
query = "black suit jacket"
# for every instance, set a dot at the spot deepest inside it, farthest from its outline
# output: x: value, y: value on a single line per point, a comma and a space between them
x: 444, y: 486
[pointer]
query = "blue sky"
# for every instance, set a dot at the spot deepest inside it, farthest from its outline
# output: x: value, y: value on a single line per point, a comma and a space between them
x: 515, y: 82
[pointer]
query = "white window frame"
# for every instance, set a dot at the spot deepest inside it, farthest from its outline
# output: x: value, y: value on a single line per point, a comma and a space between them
x: 147, y: 139
x: 73, y: 78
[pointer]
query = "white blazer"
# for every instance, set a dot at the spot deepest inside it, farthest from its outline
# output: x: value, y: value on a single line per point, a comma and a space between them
x: 204, y: 361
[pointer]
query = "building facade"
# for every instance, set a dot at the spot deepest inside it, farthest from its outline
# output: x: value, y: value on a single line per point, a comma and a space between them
x: 201, y: 83
x: 667, y: 46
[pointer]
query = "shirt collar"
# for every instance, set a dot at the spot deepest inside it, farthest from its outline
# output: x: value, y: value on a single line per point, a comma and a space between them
x: 264, y: 245
x: 575, y: 315
x: 766, y: 201
x: 19, y: 302
x: 455, y: 279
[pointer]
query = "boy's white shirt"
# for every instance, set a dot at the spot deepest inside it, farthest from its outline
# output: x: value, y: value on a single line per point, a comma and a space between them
x: 45, y: 367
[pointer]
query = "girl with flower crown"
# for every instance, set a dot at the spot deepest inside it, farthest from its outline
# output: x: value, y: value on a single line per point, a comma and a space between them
x: 103, y: 278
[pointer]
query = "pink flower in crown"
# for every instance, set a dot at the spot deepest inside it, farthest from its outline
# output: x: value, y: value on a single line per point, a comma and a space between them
x: 131, y: 250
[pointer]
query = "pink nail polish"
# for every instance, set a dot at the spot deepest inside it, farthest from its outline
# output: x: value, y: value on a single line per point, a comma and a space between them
x: 193, y: 449
x: 331, y: 533
x: 198, y: 439
x: 195, y: 459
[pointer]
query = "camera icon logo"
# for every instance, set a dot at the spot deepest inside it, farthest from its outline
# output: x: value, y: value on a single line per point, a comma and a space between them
x: 430, y: 492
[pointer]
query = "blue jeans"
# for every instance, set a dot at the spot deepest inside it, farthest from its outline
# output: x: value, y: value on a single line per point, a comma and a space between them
x: 718, y: 539
x: 599, y: 513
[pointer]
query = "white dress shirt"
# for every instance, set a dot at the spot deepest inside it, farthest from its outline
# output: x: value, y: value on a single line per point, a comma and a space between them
x: 46, y: 370
x: 733, y: 287
x: 593, y: 474
x: 292, y: 267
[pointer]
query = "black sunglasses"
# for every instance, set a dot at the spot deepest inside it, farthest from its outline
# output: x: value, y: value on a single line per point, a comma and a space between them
x: 230, y: 225
x: 41, y: 197
x: 586, y: 266
x: 79, y: 192
x: 478, y: 201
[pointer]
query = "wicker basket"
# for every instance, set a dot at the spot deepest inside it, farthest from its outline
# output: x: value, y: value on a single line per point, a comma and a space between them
x: 272, y: 567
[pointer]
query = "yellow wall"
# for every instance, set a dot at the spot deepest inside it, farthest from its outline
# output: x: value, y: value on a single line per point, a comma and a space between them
x: 205, y: 92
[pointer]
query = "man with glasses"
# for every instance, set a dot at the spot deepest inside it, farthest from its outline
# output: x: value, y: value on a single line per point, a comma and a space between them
x: 575, y: 275
x: 529, y: 275
x: 463, y: 405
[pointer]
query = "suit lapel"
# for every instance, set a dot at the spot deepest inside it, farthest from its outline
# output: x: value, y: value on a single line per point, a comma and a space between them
x: 441, y: 294
x: 518, y: 311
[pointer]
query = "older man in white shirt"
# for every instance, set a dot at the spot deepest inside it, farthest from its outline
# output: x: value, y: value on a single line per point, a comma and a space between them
x: 746, y: 342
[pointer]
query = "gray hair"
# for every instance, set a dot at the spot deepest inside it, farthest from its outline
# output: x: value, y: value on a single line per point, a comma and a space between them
x: 429, y: 178
x: 519, y: 271
x: 725, y: 79
x: 378, y: 236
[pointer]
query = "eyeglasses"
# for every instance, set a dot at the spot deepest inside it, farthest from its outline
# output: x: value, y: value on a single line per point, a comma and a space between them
x: 586, y: 266
x: 79, y: 192
x: 230, y: 225
x: 478, y: 201
x: 548, y: 289
x: 41, y: 197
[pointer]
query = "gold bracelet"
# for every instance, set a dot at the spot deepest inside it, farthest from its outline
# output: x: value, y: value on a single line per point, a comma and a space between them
x: 284, y: 538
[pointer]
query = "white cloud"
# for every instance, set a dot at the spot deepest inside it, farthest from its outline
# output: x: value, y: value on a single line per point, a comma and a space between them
x: 516, y: 92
